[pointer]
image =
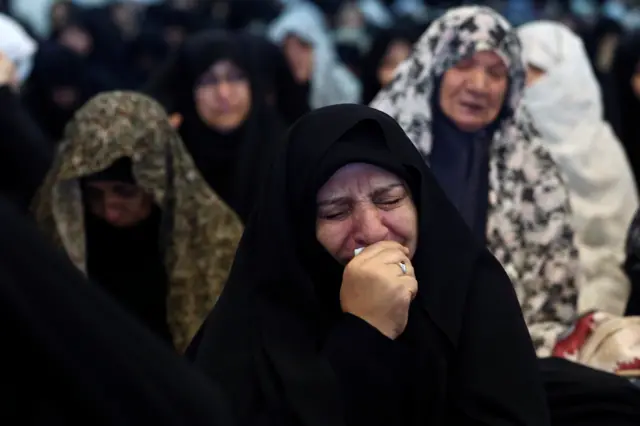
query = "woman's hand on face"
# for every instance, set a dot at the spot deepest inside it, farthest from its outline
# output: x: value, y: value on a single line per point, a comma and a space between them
x: 375, y: 289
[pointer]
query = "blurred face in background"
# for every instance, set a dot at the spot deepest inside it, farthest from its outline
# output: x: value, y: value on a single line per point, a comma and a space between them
x: 125, y: 16
x: 398, y: 51
x: 120, y: 204
x: 77, y: 39
x: 299, y: 54
x: 59, y: 15
x: 223, y: 96
x: 534, y: 73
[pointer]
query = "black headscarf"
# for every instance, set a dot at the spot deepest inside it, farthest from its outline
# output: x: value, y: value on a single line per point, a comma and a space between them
x: 232, y: 163
x: 474, y: 361
x: 268, y: 61
x: 626, y: 63
x: 74, y: 356
x: 408, y: 32
x: 593, y: 38
x: 57, y: 67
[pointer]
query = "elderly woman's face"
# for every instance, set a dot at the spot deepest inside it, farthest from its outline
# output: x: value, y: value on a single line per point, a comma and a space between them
x: 223, y: 96
x: 472, y: 92
x: 361, y: 205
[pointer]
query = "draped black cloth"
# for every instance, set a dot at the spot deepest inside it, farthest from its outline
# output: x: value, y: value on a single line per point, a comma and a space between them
x: 285, y: 354
x: 582, y: 396
x: 72, y: 355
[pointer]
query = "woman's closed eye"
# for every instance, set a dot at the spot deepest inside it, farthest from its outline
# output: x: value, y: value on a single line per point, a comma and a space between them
x: 334, y: 212
x: 389, y: 201
x: 390, y: 197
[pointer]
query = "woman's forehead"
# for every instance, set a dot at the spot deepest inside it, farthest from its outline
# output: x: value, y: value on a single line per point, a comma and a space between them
x: 356, y: 176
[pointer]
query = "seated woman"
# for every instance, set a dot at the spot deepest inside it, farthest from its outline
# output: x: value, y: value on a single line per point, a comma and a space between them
x: 456, y: 97
x: 422, y: 327
x: 127, y: 204
x: 301, y: 33
x: 565, y: 102
x: 227, y: 125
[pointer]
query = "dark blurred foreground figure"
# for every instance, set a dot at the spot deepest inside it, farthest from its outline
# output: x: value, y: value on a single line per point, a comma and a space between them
x: 25, y: 152
x: 227, y: 125
x: 421, y: 328
x: 74, y: 356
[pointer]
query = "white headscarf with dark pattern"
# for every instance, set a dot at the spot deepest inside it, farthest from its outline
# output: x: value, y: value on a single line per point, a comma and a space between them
x: 457, y: 34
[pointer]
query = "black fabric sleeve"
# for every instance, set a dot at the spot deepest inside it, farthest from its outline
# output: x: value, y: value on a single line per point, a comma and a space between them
x: 373, y: 371
x: 496, y: 378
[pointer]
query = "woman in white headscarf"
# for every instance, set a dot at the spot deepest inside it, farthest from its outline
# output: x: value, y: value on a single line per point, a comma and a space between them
x: 18, y: 46
x: 564, y: 99
x: 303, y: 36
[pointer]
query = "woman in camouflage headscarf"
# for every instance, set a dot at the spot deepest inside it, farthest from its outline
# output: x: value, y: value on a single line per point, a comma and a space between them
x: 196, y: 233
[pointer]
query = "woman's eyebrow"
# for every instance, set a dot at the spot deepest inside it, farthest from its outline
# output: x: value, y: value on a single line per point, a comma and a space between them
x: 386, y: 188
x: 334, y: 200
x: 345, y: 199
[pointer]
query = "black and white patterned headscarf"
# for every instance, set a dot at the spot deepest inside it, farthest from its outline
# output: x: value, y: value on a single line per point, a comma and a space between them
x: 458, y: 34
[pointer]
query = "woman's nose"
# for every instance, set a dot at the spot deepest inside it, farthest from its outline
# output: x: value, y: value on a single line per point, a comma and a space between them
x: 369, y: 226
x: 478, y: 80
x: 224, y: 90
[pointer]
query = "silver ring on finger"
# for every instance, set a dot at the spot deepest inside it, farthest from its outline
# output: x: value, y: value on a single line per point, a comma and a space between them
x: 403, y: 266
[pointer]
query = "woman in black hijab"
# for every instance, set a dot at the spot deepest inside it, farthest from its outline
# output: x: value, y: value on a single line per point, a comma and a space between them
x: 389, y: 49
x: 74, y: 356
x: 626, y: 74
x: 60, y: 83
x: 227, y: 125
x: 421, y: 328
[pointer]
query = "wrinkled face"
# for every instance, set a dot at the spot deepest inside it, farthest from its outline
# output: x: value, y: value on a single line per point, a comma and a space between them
x: 299, y: 55
x: 120, y: 204
x: 361, y: 205
x: 398, y: 51
x: 473, y: 91
x: 534, y: 74
x: 223, y: 96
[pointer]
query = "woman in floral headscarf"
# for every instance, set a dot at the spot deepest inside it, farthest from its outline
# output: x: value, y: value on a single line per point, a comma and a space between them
x: 128, y: 205
x: 457, y: 98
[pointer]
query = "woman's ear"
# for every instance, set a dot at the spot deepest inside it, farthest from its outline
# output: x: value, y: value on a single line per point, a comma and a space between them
x: 175, y: 120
